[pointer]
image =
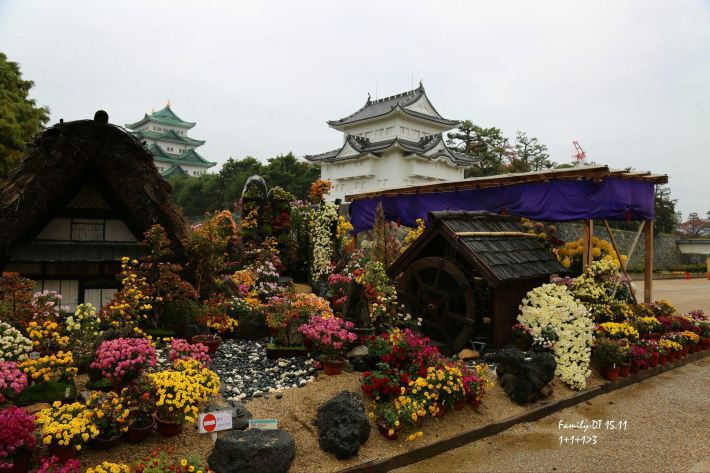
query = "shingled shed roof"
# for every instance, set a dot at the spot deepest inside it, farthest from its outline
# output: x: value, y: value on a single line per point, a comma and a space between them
x: 68, y: 155
x: 496, y: 245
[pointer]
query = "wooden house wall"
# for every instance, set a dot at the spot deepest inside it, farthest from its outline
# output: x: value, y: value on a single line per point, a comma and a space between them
x: 506, y: 305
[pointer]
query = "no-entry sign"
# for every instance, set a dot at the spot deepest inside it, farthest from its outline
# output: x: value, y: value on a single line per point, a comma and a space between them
x: 209, y: 422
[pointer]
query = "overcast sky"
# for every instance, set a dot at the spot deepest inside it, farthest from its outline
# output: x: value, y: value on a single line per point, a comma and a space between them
x: 630, y: 80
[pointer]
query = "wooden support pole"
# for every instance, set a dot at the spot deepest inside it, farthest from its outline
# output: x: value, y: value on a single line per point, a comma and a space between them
x: 648, y: 255
x: 622, y: 263
x: 587, y: 232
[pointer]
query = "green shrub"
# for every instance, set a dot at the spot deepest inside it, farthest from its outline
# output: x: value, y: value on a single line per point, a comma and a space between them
x: 177, y: 315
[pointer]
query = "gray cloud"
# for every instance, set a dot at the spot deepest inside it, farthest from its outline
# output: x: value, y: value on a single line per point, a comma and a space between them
x: 627, y: 79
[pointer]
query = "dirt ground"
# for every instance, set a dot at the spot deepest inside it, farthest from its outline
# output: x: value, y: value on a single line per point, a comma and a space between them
x: 685, y: 295
x: 666, y: 431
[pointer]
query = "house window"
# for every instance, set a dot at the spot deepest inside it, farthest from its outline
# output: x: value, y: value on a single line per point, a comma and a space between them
x: 98, y: 297
x: 87, y: 229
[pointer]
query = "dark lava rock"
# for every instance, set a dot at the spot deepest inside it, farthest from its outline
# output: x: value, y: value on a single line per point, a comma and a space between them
x: 524, y: 376
x: 343, y: 425
x: 253, y: 451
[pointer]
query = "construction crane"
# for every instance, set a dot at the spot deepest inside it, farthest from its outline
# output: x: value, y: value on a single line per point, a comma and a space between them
x: 579, y: 154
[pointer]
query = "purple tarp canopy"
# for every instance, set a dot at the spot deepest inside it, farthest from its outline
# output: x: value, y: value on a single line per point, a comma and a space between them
x: 611, y: 198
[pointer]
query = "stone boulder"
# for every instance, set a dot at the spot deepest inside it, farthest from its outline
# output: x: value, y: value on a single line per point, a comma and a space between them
x: 343, y: 425
x: 253, y: 451
x: 524, y: 376
x: 252, y: 326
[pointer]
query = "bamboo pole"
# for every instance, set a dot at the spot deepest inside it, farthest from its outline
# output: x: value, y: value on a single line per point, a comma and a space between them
x: 630, y: 254
x: 587, y: 231
x: 618, y: 256
x: 495, y: 234
x: 648, y: 268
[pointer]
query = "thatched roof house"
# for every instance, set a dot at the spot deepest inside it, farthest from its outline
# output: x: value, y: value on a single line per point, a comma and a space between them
x: 81, y: 199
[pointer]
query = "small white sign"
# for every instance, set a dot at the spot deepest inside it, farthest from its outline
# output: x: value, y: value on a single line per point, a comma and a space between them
x: 67, y: 392
x: 264, y: 424
x: 209, y: 422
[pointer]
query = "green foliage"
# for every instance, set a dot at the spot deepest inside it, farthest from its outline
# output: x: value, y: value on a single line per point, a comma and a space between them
x: 210, y: 192
x: 494, y: 153
x: 20, y: 119
x: 177, y: 315
x: 46, y: 392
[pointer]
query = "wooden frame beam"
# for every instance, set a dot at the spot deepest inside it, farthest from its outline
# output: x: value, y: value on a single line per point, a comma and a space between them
x: 587, y: 235
x: 648, y: 262
x: 621, y: 263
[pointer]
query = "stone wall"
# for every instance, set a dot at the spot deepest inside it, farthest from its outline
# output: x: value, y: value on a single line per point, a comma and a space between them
x: 665, y: 250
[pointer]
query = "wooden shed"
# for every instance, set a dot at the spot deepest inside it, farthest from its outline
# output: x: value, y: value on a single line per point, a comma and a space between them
x: 467, y: 274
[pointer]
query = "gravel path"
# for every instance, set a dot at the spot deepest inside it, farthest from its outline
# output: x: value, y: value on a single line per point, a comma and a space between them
x: 667, y: 430
x: 684, y: 294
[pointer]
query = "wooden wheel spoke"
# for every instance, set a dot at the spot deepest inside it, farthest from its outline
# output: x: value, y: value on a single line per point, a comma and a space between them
x: 459, y: 318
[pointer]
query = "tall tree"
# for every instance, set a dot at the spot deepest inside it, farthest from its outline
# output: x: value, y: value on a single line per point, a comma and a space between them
x: 488, y: 146
x: 531, y: 154
x: 20, y: 118
x: 666, y: 217
x: 695, y: 226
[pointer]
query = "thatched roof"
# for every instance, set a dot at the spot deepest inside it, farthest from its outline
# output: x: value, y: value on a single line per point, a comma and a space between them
x: 496, y: 245
x: 67, y: 156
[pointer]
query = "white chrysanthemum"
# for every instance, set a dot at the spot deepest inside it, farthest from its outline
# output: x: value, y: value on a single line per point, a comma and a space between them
x: 559, y: 322
x: 13, y: 345
x: 323, y: 222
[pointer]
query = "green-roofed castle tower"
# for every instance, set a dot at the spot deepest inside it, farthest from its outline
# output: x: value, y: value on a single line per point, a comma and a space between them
x: 165, y: 135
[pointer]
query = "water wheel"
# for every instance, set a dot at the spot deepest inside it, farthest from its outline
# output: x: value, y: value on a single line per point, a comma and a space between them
x: 436, y: 290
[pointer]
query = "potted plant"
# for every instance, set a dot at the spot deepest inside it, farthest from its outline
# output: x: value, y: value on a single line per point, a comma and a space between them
x: 13, y: 345
x: 139, y: 398
x: 110, y: 467
x: 66, y: 428
x: 17, y: 439
x: 610, y: 353
x: 182, y: 350
x: 179, y: 391
x: 110, y: 417
x: 452, y: 393
x: 522, y: 337
x: 388, y: 421
x: 122, y: 360
x: 12, y: 380
x: 381, y: 385
x: 331, y: 336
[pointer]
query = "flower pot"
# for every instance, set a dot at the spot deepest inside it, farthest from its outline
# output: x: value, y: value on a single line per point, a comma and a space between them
x: 522, y: 343
x: 63, y: 452
x: 691, y: 348
x: 460, y: 404
x: 684, y: 352
x: 385, y: 431
x: 117, y: 386
x: 624, y: 370
x: 100, y: 443
x: 20, y: 462
x: 167, y: 428
x: 644, y: 365
x: 474, y: 401
x: 611, y: 373
x: 212, y: 343
x: 138, y: 434
x: 333, y: 365
x: 653, y: 362
x: 441, y: 411
x: 663, y: 359
x: 635, y: 367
